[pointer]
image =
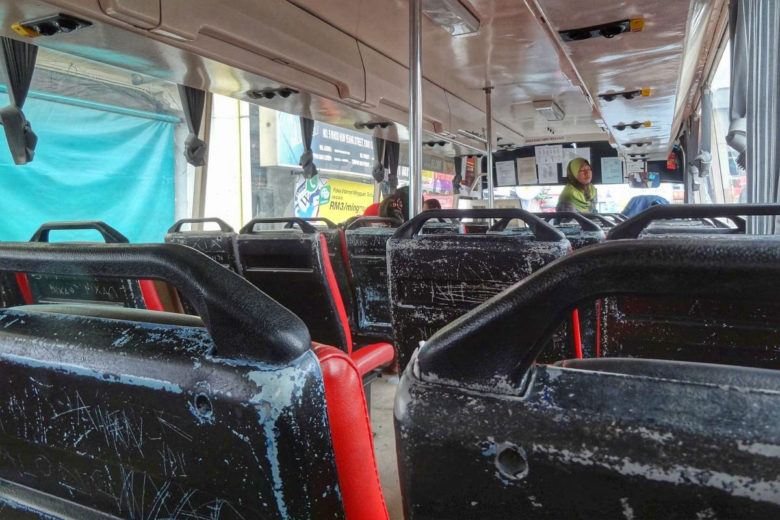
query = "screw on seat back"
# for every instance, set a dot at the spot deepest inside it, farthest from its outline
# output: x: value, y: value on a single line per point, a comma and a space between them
x: 436, y: 278
x: 484, y: 428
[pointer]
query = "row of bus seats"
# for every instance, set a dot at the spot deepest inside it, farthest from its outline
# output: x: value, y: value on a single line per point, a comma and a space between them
x: 171, y: 361
x: 673, y: 431
x: 112, y: 412
x: 302, y: 266
x: 482, y: 427
x: 424, y: 292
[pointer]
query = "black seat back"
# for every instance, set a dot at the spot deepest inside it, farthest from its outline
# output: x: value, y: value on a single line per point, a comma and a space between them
x: 691, y: 219
x: 616, y: 217
x: 292, y: 267
x: 366, y: 240
x: 220, y: 245
x: 334, y: 237
x: 603, y: 221
x: 682, y: 328
x: 483, y: 428
x: 45, y: 288
x: 578, y: 230
x: 437, y: 277
x: 122, y: 413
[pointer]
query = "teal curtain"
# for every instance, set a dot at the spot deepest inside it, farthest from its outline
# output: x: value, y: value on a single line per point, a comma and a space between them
x: 93, y: 162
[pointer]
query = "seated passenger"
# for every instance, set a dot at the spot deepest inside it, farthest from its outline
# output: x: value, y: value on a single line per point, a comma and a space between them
x: 396, y: 205
x: 641, y: 202
x: 431, y: 204
x: 372, y: 210
x: 579, y: 194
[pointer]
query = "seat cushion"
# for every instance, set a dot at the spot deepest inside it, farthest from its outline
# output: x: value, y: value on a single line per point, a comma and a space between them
x: 351, y: 434
x: 373, y: 356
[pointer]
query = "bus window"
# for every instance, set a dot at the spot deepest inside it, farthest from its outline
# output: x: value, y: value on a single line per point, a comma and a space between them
x: 733, y: 177
x: 107, y: 142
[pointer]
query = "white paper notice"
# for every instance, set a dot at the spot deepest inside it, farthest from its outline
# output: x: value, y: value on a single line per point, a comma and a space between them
x: 635, y: 166
x: 526, y: 170
x: 571, y: 153
x: 548, y: 173
x: 550, y: 154
x: 505, y: 173
x: 611, y: 170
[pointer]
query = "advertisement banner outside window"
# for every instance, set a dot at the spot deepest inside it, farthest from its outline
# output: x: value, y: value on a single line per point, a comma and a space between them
x: 334, y: 199
x: 334, y: 148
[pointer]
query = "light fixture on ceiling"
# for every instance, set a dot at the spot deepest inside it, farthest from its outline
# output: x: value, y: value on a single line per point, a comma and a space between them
x: 549, y: 110
x: 452, y: 15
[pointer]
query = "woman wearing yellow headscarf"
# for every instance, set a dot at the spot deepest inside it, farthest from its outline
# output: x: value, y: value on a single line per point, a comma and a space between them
x: 579, y: 194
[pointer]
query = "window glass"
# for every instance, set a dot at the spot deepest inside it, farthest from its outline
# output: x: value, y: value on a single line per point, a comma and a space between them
x: 724, y: 159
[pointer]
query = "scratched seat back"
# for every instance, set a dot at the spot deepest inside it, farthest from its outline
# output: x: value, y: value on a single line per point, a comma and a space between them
x: 484, y: 428
x: 366, y: 240
x: 220, y: 245
x: 46, y: 288
x: 435, y: 278
x: 678, y: 327
x: 127, y: 413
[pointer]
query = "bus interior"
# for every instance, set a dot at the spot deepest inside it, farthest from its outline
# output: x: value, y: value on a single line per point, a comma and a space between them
x: 222, y: 296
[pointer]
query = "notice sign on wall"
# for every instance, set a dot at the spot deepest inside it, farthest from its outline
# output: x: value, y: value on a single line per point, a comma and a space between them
x: 334, y: 199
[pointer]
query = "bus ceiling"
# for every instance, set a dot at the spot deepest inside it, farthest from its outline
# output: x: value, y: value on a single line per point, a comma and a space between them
x: 628, y: 75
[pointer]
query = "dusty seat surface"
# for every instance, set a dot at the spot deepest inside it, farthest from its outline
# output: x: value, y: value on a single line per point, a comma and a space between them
x: 105, y: 416
x: 483, y: 429
x: 219, y: 244
x: 435, y: 278
x: 368, y: 262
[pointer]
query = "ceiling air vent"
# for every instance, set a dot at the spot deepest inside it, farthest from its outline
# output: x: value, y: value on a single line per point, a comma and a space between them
x: 50, y: 25
x: 607, y: 30
x: 270, y: 93
x: 629, y: 94
x: 372, y: 124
